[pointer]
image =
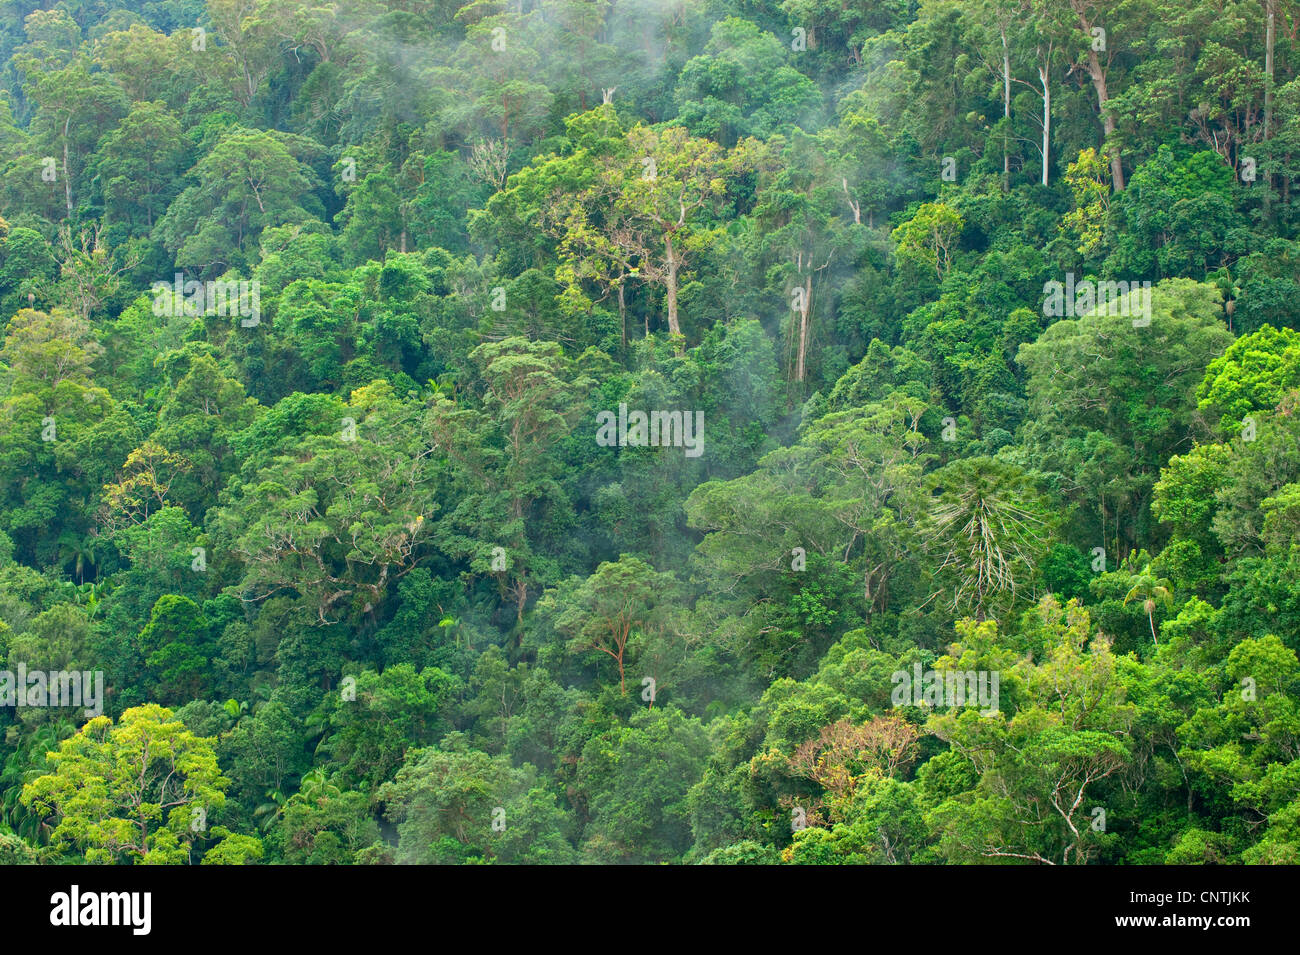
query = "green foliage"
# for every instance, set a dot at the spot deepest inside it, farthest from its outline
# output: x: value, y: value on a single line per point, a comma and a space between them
x: 128, y: 792
x: 364, y: 581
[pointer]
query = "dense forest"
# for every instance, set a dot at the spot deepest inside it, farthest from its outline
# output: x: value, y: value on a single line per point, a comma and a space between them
x: 650, y: 431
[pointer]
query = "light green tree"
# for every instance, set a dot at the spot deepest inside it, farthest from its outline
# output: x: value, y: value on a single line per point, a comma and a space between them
x: 130, y: 792
x: 929, y: 236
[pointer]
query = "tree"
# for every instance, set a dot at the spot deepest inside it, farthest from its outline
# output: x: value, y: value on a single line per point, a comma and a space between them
x: 393, y: 713
x: 204, y: 409
x: 533, y: 395
x: 864, y: 160
x: 504, y: 99
x: 139, y: 166
x: 1087, y: 220
x: 1040, y: 30
x: 1245, y: 741
x: 1253, y: 375
x: 89, y: 279
x: 990, y: 528
x: 1111, y: 399
x: 177, y: 649
x: 875, y: 456
x: 928, y: 237
x: 647, y: 206
x: 75, y: 109
x: 997, y: 20
x: 336, y: 516
x: 741, y: 87
x: 846, y: 756
x: 1147, y: 586
x: 61, y: 434
x: 264, y: 750
x: 151, y: 66
x: 323, y: 825
x: 1097, y: 53
x: 454, y: 804
x: 1179, y: 214
x: 249, y: 39
x: 638, y: 815
x: 1037, y: 767
x: 147, y: 477
x: 605, y: 612
x: 249, y: 180
x: 793, y: 234
x: 129, y: 792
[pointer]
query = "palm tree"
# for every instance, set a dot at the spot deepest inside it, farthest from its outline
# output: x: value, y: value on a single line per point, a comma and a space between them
x: 1149, y: 588
x: 24, y: 765
x: 81, y: 552
x: 450, y: 622
x: 316, y: 786
x: 269, y: 812
x: 91, y: 597
x: 236, y: 709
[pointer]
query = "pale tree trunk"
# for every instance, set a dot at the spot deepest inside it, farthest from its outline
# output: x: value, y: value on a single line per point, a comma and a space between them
x: 1044, y: 75
x: 1269, y: 39
x: 67, y: 180
x: 804, y: 311
x: 1098, y: 76
x: 871, y: 597
x: 1006, y: 109
x: 670, y: 285
x: 856, y: 207
x: 622, y: 313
